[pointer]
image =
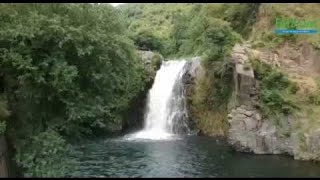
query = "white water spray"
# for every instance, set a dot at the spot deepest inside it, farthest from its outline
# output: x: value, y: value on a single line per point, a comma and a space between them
x: 166, y: 108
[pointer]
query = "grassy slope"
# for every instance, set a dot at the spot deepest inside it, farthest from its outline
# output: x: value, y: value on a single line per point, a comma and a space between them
x: 263, y: 29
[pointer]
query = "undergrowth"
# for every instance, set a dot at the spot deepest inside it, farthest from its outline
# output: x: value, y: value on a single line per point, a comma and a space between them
x: 275, y: 91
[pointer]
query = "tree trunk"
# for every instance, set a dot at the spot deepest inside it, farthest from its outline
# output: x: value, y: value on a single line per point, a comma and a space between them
x: 4, y: 170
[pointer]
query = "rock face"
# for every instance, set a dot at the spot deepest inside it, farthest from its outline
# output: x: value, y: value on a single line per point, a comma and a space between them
x: 302, y: 59
x: 193, y: 67
x: 151, y: 61
x: 250, y: 131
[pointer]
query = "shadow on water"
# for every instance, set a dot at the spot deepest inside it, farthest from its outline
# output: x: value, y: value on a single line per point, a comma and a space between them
x: 191, y: 156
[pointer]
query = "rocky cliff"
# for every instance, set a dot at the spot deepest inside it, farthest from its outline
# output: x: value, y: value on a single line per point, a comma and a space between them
x: 249, y: 130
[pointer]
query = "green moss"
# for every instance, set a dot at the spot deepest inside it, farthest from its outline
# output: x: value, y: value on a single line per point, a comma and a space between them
x: 156, y: 60
x: 208, y: 109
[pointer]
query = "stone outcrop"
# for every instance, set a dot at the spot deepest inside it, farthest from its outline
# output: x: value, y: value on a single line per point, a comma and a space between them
x: 152, y: 62
x: 193, y: 67
x: 249, y: 130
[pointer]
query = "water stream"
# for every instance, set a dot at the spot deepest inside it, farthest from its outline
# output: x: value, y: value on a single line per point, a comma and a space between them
x: 166, y: 112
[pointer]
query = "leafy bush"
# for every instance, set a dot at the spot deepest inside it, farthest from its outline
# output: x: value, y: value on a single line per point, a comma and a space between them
x: 145, y: 40
x: 314, y: 98
x: 206, y: 35
x: 275, y: 102
x: 275, y: 86
x: 45, y: 155
x: 241, y: 16
x: 156, y: 61
x: 67, y: 67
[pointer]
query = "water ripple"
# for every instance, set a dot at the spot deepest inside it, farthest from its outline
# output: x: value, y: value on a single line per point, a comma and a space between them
x: 186, y: 157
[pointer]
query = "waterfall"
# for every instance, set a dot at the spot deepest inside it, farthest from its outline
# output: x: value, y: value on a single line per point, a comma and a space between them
x: 166, y: 113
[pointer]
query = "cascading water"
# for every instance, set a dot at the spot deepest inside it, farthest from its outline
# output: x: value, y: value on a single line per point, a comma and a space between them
x: 190, y: 156
x: 166, y: 113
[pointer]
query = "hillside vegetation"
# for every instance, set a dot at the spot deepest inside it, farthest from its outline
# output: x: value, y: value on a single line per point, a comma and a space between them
x: 207, y: 30
x: 262, y: 34
x: 170, y: 28
x: 67, y: 71
x: 72, y: 71
x: 210, y: 30
x: 298, y: 60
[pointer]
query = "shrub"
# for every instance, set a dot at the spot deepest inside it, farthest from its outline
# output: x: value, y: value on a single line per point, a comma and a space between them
x: 45, y: 155
x: 275, y: 86
x: 145, y: 40
x: 314, y: 97
x: 242, y: 16
x: 67, y: 67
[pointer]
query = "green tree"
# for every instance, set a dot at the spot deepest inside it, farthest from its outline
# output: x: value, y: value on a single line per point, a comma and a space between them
x: 66, y: 68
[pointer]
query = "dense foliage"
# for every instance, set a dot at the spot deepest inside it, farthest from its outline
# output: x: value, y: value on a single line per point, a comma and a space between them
x: 34, y: 158
x: 213, y: 39
x: 71, y: 70
x: 67, y: 70
x: 242, y: 17
x: 176, y: 26
x: 153, y: 22
x: 207, y: 30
